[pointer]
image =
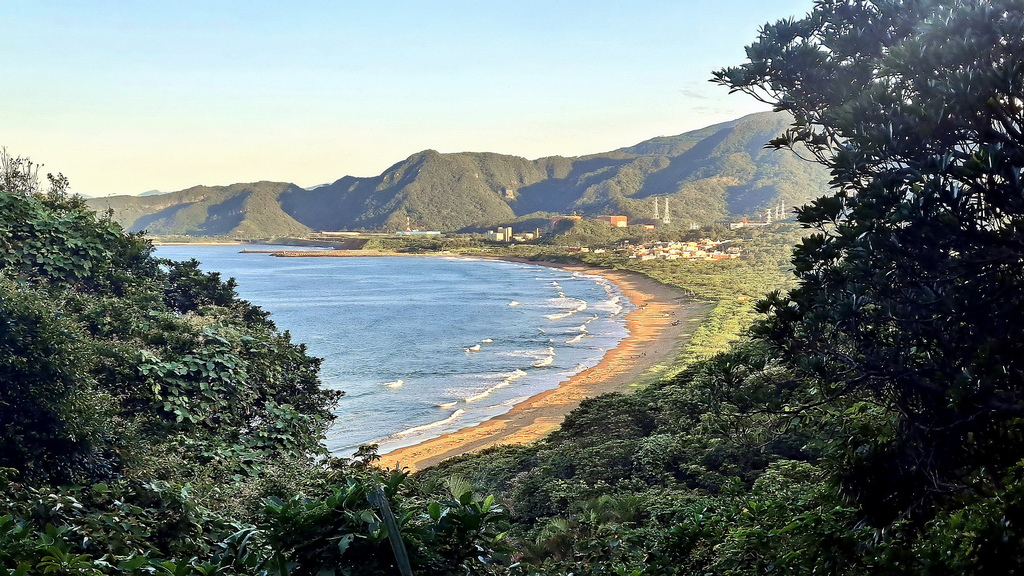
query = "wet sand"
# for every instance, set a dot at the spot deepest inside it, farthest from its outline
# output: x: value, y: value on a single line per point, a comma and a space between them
x: 659, y: 327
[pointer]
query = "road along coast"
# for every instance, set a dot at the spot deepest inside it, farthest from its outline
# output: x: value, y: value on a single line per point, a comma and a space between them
x: 659, y: 326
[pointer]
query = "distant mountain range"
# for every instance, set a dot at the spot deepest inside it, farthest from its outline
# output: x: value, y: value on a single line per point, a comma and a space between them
x: 705, y: 176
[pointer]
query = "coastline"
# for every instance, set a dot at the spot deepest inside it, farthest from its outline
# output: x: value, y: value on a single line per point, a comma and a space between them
x: 225, y: 243
x: 659, y: 326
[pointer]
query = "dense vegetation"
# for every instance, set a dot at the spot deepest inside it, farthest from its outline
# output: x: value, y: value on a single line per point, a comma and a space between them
x: 153, y: 423
x: 909, y: 283
x: 868, y: 424
x: 707, y: 176
x: 871, y: 422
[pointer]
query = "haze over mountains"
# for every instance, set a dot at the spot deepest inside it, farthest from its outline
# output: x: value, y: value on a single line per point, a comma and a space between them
x: 705, y: 176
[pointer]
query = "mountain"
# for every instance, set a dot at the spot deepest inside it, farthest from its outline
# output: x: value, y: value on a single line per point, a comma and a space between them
x: 249, y: 210
x: 705, y: 176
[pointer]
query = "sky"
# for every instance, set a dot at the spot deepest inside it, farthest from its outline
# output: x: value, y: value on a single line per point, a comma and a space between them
x: 125, y: 97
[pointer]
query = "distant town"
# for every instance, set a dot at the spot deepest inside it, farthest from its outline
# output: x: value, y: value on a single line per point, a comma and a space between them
x: 704, y: 249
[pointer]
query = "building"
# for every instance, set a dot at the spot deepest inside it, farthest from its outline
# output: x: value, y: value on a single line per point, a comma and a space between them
x: 502, y: 234
x: 744, y: 223
x: 703, y: 250
x: 527, y: 236
x: 616, y: 221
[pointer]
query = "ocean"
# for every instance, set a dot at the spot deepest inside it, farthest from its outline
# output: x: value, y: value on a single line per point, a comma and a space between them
x: 423, y: 346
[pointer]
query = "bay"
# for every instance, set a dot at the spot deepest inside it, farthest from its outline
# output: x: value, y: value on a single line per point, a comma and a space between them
x: 423, y: 346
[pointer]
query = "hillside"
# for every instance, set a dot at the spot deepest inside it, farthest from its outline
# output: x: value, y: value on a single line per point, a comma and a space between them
x: 705, y: 176
x: 239, y: 209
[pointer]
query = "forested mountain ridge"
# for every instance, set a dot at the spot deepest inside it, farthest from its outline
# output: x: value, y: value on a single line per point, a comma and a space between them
x: 705, y: 176
x: 249, y: 209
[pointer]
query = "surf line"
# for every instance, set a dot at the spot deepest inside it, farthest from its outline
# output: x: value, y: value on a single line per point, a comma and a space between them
x: 519, y: 373
x: 413, y: 430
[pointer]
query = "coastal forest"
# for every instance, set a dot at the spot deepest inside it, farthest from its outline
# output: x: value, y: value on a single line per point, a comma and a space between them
x: 855, y: 406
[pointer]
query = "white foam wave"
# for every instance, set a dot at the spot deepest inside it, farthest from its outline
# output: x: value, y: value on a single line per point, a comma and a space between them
x: 396, y: 384
x: 415, y: 429
x: 577, y: 338
x: 448, y: 404
x: 513, y: 303
x: 479, y: 396
x: 516, y: 375
x: 487, y: 340
x: 612, y: 305
x: 580, y: 307
x: 547, y: 360
x: 519, y: 353
x: 473, y: 348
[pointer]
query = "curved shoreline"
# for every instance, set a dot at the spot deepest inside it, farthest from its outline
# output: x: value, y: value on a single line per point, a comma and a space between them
x: 659, y: 326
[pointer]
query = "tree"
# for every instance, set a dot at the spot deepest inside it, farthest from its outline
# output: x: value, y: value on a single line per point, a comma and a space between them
x: 910, y: 296
x: 50, y: 413
x: 114, y: 362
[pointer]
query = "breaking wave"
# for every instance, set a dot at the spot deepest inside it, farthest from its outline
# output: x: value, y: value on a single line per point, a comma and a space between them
x: 415, y: 429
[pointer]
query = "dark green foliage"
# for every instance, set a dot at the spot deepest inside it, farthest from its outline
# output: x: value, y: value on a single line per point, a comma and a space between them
x: 92, y: 254
x: 629, y: 468
x: 706, y: 175
x: 346, y: 531
x: 147, y: 414
x: 414, y: 244
x: 341, y: 529
x: 189, y: 289
x: 872, y: 426
x: 49, y: 417
x: 909, y: 293
x: 152, y: 527
x: 98, y: 524
x: 719, y: 471
x: 875, y: 428
x: 115, y: 362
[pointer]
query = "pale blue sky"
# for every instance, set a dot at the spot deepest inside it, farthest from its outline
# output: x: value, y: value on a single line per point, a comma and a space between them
x: 123, y: 97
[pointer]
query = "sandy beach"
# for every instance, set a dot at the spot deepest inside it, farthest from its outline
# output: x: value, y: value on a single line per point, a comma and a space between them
x: 659, y: 327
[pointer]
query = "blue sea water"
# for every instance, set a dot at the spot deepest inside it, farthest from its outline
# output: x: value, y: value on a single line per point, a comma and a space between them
x: 423, y: 346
